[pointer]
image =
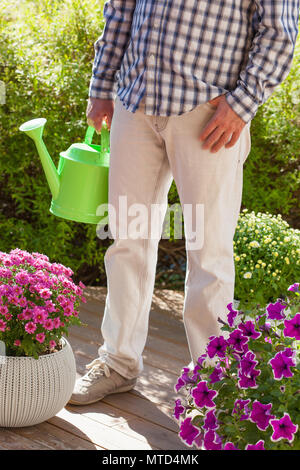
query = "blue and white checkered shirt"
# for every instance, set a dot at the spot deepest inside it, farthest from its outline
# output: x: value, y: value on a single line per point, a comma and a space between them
x: 182, y: 53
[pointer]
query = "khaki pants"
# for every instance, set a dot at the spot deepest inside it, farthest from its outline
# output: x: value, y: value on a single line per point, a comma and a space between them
x: 147, y: 152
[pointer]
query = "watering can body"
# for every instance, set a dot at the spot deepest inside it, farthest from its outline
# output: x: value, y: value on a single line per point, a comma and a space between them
x: 80, y: 183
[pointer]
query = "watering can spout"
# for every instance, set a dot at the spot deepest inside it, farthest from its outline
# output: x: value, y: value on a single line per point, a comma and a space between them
x: 34, y: 129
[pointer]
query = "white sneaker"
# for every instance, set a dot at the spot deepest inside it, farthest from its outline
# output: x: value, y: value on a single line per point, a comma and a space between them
x: 98, y: 382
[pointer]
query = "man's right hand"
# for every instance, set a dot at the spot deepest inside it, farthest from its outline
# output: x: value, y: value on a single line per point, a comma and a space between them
x: 97, y: 110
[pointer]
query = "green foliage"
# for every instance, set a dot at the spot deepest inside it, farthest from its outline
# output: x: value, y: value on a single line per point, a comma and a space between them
x: 46, y: 49
x: 271, y: 176
x: 46, y: 56
x: 266, y: 258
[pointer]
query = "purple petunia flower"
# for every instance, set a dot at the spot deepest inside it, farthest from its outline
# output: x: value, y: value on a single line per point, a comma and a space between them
x: 199, y: 440
x: 188, y: 432
x: 203, y: 396
x: 258, y: 446
x: 212, y: 441
x: 183, y: 379
x: 292, y: 327
x: 283, y: 428
x: 248, y: 381
x: 210, y: 421
x: 179, y: 409
x: 237, y: 340
x: 230, y: 446
x: 248, y: 363
x: 231, y: 315
x: 275, y: 311
x: 241, y: 405
x: 216, y: 346
x: 294, y: 287
x: 216, y: 375
x: 248, y: 329
x: 281, y: 364
x: 260, y: 415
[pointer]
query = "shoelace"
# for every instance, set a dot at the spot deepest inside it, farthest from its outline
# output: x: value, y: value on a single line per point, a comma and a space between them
x: 97, y: 367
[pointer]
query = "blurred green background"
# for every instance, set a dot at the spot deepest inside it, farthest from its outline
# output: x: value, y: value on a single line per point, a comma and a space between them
x: 46, y: 56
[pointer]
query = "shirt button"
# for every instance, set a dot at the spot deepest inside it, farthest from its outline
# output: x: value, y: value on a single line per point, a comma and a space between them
x: 152, y: 58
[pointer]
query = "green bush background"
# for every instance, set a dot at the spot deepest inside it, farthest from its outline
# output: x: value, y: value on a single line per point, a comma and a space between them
x: 46, y: 55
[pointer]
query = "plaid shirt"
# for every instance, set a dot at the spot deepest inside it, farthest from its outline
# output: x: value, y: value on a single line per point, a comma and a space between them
x: 182, y: 53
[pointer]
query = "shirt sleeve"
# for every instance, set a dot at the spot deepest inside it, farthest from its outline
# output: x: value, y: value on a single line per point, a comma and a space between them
x: 270, y: 56
x: 110, y: 47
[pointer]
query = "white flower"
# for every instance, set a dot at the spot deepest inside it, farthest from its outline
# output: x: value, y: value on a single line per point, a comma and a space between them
x: 248, y: 275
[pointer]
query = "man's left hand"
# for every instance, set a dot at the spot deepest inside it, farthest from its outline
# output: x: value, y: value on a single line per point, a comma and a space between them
x: 223, y: 129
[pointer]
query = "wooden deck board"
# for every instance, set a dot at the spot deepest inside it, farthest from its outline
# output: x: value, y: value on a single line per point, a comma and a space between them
x: 139, y: 419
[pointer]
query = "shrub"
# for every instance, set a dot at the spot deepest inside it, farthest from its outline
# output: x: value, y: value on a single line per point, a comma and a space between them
x: 249, y: 399
x: 266, y: 254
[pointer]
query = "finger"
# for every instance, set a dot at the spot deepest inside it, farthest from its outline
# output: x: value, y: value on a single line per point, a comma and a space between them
x: 234, y: 138
x: 213, y: 138
x: 208, y: 129
x: 221, y: 142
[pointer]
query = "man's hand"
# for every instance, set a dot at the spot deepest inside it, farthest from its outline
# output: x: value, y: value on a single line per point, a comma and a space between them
x: 97, y: 110
x: 224, y: 128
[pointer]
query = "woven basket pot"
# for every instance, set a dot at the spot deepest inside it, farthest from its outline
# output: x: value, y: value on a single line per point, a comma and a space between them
x: 34, y: 390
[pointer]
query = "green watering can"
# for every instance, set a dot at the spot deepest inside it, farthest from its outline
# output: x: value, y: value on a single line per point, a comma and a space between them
x: 80, y: 184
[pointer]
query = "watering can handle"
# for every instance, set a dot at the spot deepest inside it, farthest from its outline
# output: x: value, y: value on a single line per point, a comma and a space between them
x: 104, y: 136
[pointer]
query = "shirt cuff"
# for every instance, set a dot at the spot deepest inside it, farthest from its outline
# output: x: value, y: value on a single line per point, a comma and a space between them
x: 243, y: 104
x: 102, y: 88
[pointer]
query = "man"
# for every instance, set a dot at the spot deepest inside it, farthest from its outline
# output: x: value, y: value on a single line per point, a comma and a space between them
x: 190, y: 76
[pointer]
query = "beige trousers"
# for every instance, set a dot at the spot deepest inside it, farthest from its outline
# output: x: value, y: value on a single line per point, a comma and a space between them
x: 147, y: 152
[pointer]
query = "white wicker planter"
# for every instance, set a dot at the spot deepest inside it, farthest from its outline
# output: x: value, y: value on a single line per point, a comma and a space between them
x: 34, y: 390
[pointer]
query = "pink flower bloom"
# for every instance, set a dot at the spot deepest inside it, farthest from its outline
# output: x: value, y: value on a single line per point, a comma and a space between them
x: 212, y: 441
x: 188, y: 432
x: 292, y: 327
x: 8, y: 316
x: 239, y: 406
x: 281, y: 364
x: 52, y: 344
x: 17, y: 342
x: 210, y: 421
x: 48, y: 324
x: 45, y: 293
x: 283, y: 429
x: 258, y: 446
x: 56, y: 322
x: 27, y: 314
x: 230, y: 446
x: 22, y: 277
x: 39, y: 315
x: 261, y: 415
x: 203, y: 396
x: 275, y: 311
x: 30, y: 327
x: 3, y: 309
x: 179, y: 409
x: 40, y: 337
x: 217, y: 346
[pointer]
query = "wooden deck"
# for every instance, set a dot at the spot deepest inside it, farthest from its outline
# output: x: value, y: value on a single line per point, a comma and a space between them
x: 139, y: 419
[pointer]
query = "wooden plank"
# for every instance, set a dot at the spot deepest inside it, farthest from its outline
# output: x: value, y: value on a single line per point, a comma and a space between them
x: 96, y: 433
x: 10, y: 440
x: 153, y: 434
x: 138, y: 428
x: 157, y: 351
x: 48, y: 435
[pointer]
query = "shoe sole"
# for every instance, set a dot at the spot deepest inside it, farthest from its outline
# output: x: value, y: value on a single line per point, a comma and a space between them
x: 120, y: 390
